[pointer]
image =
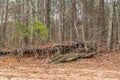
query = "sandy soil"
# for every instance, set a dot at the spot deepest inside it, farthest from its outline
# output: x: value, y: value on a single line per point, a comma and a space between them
x: 104, y: 66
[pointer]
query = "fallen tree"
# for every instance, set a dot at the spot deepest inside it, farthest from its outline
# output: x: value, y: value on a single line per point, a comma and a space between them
x: 50, y: 50
x: 70, y: 57
x: 60, y: 50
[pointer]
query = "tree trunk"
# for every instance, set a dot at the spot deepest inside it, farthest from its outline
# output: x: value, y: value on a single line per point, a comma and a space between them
x: 84, y: 15
x: 109, y: 37
x: 115, y: 23
x: 4, y: 22
x: 60, y: 22
x: 25, y: 19
x: 74, y: 19
x: 47, y: 17
x: 96, y: 23
x: 118, y: 21
x: 101, y: 19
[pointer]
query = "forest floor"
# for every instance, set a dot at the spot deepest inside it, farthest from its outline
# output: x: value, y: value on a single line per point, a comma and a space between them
x: 104, y: 66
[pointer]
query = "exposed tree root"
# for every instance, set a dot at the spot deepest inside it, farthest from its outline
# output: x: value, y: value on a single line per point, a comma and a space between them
x: 70, y: 57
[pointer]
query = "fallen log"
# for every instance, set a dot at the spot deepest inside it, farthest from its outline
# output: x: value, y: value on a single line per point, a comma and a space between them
x: 62, y: 49
x: 70, y: 57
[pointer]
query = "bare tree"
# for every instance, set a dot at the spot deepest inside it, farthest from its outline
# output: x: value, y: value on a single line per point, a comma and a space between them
x: 102, y: 19
x: 118, y: 20
x: 47, y: 15
x: 26, y: 23
x: 84, y: 19
x: 60, y: 22
x: 109, y: 37
x: 74, y: 18
x: 4, y: 21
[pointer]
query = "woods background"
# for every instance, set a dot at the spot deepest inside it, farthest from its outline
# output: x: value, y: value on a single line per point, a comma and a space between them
x: 25, y: 23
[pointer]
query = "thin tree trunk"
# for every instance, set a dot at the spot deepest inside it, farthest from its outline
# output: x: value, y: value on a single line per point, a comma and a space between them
x: 118, y: 21
x: 25, y: 19
x: 102, y: 19
x: 1, y: 27
x: 109, y: 37
x: 84, y: 14
x: 74, y: 18
x: 115, y: 26
x: 96, y: 23
x: 4, y: 22
x: 60, y: 22
x: 47, y: 15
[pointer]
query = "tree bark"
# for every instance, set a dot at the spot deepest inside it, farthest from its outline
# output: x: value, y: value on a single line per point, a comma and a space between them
x: 109, y: 37
x: 47, y: 17
x: 101, y: 20
x: 60, y: 22
x: 26, y: 22
x: 96, y: 24
x: 4, y: 22
x: 70, y: 57
x: 118, y: 20
x: 84, y: 19
x: 74, y: 19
